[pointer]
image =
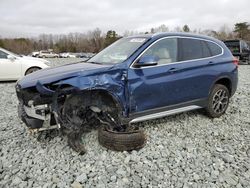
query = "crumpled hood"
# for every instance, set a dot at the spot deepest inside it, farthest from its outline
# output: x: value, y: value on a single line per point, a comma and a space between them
x: 50, y: 75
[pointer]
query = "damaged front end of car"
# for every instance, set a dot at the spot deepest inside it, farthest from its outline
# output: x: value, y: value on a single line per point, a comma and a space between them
x: 75, y: 104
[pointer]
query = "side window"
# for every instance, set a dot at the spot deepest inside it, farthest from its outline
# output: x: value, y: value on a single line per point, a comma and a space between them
x: 165, y: 50
x: 205, y: 49
x: 214, y: 48
x: 190, y: 49
x: 3, y: 55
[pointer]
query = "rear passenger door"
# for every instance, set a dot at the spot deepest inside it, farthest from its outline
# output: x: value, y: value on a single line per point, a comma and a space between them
x: 198, y: 59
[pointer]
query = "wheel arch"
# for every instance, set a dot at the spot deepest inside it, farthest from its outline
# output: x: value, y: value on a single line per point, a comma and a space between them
x: 103, y: 100
x: 100, y: 92
x: 226, y: 81
x: 27, y: 69
x: 106, y: 93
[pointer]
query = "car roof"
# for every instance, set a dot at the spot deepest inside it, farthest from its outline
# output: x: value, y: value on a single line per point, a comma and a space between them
x: 169, y: 34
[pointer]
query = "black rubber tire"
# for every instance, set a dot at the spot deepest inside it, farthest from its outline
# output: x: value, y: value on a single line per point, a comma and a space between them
x: 210, y: 111
x: 121, y: 141
x: 31, y: 70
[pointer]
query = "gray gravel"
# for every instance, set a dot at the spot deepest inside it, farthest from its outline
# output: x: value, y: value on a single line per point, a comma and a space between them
x: 185, y: 150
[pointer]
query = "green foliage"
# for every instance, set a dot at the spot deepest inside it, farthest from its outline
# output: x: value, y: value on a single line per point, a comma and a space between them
x: 95, y: 40
x: 242, y: 29
x: 111, y: 37
x: 1, y: 43
x: 186, y: 28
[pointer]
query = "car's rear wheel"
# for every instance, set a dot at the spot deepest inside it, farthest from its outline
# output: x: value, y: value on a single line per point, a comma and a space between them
x: 218, y: 101
x: 31, y: 70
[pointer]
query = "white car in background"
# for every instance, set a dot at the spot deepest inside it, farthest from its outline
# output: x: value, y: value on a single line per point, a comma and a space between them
x: 67, y: 55
x: 47, y: 54
x: 13, y: 66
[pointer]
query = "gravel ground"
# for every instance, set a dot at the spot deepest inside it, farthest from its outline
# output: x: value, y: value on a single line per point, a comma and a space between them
x: 185, y: 150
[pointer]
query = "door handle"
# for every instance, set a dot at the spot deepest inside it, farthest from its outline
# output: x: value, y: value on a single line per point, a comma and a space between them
x: 210, y: 63
x: 172, y: 70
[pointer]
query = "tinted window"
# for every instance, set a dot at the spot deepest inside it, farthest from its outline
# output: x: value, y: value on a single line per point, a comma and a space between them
x: 165, y: 50
x: 190, y: 49
x: 214, y: 48
x: 3, y: 55
x: 205, y: 49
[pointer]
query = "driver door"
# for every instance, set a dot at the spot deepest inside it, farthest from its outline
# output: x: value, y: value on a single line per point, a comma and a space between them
x: 153, y: 87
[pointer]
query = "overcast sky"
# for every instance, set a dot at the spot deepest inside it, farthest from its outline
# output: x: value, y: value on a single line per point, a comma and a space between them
x: 32, y: 17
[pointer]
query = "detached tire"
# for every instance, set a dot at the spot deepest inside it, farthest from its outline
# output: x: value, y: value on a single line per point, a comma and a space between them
x: 121, y: 141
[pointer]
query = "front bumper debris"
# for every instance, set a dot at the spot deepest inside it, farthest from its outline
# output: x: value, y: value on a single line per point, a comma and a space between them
x: 38, y: 111
x: 39, y: 117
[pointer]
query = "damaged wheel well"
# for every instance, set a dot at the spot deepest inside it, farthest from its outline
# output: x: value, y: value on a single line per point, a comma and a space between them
x: 101, y: 99
x: 86, y: 108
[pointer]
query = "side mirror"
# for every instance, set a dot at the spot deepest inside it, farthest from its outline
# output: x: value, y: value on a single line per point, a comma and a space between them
x: 147, y: 60
x: 10, y: 57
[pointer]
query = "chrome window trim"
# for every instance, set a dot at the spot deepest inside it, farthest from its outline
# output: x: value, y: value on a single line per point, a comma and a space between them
x: 178, y: 62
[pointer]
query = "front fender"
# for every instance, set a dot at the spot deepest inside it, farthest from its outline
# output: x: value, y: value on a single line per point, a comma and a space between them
x: 113, y: 82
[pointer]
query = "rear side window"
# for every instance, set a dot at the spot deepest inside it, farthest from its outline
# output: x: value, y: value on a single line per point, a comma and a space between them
x: 205, y: 49
x: 190, y: 49
x: 214, y: 48
x: 197, y: 49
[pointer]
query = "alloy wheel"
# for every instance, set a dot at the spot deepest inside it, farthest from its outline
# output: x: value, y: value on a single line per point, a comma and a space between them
x: 220, y: 101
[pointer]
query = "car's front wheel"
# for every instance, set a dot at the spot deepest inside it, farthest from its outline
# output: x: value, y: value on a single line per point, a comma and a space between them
x: 218, y: 101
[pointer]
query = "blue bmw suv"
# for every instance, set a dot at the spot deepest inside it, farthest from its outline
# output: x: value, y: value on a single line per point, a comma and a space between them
x: 135, y: 79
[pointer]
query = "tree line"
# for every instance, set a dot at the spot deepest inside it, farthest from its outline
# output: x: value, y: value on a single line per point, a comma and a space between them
x: 94, y: 41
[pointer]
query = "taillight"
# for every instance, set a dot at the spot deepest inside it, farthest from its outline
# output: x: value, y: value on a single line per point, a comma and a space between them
x: 236, y: 62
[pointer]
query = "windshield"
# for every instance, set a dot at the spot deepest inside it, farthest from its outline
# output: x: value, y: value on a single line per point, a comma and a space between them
x: 118, y: 51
